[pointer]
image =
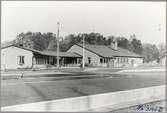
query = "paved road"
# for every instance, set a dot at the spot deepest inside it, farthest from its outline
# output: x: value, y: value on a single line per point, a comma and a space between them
x: 29, y: 90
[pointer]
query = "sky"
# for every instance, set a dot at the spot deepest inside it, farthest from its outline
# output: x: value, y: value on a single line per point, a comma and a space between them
x: 147, y: 20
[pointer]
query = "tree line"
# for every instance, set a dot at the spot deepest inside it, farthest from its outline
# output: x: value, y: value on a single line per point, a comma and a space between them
x: 48, y: 42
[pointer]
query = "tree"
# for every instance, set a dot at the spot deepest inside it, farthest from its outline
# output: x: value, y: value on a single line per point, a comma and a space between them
x: 39, y: 42
x: 162, y: 49
x: 24, y: 39
x: 48, y: 41
x: 135, y: 45
x: 52, y: 46
x: 123, y: 42
x: 110, y: 40
x: 150, y: 52
x: 35, y: 40
x: 94, y: 38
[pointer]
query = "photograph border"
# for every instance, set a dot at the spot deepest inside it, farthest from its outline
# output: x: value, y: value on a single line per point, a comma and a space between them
x: 83, y: 0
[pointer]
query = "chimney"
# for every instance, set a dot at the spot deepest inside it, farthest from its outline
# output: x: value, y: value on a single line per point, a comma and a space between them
x: 114, y: 45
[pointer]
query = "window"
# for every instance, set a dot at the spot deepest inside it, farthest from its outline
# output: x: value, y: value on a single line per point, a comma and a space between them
x: 101, y: 60
x: 121, y: 59
x: 117, y: 59
x: 89, y: 60
x: 20, y: 60
x: 124, y: 60
x: 127, y: 60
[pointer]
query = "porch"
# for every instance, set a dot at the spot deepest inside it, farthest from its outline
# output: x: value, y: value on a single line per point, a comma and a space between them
x: 46, y: 61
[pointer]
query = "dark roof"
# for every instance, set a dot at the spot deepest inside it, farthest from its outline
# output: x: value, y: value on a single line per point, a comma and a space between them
x: 100, y: 50
x: 47, y: 53
x: 106, y: 51
x: 62, y: 54
x: 125, y: 52
x: 11, y: 44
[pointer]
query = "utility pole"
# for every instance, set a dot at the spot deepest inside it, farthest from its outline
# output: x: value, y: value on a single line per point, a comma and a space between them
x: 58, y: 25
x: 83, y: 52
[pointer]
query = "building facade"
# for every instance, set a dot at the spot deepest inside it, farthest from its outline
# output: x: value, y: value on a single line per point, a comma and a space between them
x: 15, y: 57
x: 104, y: 56
x: 90, y: 57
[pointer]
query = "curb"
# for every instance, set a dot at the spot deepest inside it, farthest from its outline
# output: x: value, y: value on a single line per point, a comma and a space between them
x: 142, y: 70
x: 60, y: 75
x: 113, y: 100
x: 35, y: 75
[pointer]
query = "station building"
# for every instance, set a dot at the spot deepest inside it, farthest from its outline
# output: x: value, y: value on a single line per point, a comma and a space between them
x: 107, y: 56
x: 16, y: 57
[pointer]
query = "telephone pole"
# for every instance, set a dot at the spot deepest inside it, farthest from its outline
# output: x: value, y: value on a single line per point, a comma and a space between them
x: 58, y: 25
x: 83, y: 52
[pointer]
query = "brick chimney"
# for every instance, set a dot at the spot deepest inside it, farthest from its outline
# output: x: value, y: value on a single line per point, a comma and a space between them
x: 114, y: 44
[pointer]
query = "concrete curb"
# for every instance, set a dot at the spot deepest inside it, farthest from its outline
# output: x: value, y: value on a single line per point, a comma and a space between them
x: 142, y: 70
x: 94, y: 102
x: 58, y: 76
x: 25, y: 75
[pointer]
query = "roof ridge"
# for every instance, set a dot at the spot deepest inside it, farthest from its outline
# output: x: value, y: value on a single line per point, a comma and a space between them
x: 80, y: 45
x: 111, y: 52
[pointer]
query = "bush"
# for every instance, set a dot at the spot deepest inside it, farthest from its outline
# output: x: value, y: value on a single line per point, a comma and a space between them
x: 48, y: 66
x: 88, y: 65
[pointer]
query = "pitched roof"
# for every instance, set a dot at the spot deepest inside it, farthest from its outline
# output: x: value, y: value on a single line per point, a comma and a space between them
x: 11, y: 44
x: 100, y: 50
x: 62, y: 54
x: 47, y: 53
x: 125, y: 52
x: 106, y: 51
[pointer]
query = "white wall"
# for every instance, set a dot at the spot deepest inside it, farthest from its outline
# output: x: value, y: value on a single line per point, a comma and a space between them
x: 163, y: 61
x: 137, y: 61
x: 9, y: 58
x: 95, y: 59
x: 112, y: 100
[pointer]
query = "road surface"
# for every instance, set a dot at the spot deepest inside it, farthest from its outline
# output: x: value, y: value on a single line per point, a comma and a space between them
x: 28, y: 90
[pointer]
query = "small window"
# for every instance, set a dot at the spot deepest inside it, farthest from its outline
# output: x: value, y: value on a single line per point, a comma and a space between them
x: 20, y: 60
x: 127, y: 60
x: 124, y: 60
x: 121, y: 59
x: 101, y: 60
x: 89, y: 60
x: 117, y: 59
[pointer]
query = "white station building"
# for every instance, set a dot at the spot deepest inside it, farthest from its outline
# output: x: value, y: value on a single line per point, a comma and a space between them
x: 113, y: 56
x: 16, y: 57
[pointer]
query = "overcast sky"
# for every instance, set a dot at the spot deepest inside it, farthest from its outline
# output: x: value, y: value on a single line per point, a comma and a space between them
x: 145, y: 19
